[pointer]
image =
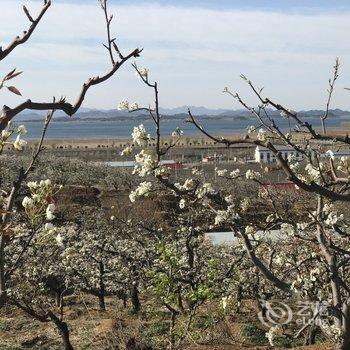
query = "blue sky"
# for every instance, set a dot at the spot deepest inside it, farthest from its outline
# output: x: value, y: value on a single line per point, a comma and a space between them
x: 192, y: 48
x: 275, y: 5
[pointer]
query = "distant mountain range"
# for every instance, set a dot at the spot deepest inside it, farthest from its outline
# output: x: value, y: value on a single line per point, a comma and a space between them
x: 179, y: 112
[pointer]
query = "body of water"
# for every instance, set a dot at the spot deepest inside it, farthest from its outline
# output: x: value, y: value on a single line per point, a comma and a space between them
x: 89, y: 129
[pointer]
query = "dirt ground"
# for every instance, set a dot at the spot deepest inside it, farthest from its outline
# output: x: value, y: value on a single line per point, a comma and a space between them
x: 111, y: 329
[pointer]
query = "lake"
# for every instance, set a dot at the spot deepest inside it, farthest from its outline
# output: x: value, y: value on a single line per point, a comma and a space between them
x: 92, y: 129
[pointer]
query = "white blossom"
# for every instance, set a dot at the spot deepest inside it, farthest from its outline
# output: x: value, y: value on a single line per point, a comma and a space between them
x: 313, y: 172
x: 287, y: 228
x: 139, y: 135
x: 133, y: 107
x: 126, y: 151
x: 261, y: 135
x: 32, y: 185
x: 188, y: 184
x: 221, y: 172
x: 49, y: 228
x: 50, y: 211
x: 143, y: 72
x: 145, y: 163
x: 333, y: 218
x: 207, y: 188
x: 235, y: 173
x: 44, y: 183
x: 59, y: 240
x: 22, y: 130
x: 142, y: 190
x: 249, y: 230
x: 293, y: 163
x: 222, y: 216
x: 224, y: 301
x: 182, y: 204
x: 197, y: 171
x: 5, y: 134
x: 343, y: 166
x: 302, y: 225
x: 330, y: 154
x: 252, y: 175
x: 245, y: 203
x: 177, y: 132
x: 19, y: 144
x: 161, y: 171
x: 333, y: 331
x: 250, y: 129
x: 27, y: 202
x: 272, y: 333
x: 123, y: 105
x: 229, y: 199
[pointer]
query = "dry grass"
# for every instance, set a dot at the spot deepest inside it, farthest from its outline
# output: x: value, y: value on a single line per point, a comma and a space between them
x: 114, y: 328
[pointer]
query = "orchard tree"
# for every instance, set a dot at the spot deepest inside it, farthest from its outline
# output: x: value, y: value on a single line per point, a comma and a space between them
x: 189, y: 272
x: 134, y: 251
x: 38, y: 204
x: 89, y: 265
x: 117, y: 59
x: 32, y: 260
x: 322, y: 232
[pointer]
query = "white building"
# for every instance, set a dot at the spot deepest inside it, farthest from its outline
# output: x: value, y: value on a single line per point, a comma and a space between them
x: 264, y: 155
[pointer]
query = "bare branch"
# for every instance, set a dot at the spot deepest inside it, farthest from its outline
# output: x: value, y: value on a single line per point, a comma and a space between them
x: 26, y: 34
x: 28, y: 14
x: 108, y: 19
x: 330, y: 93
x: 8, y: 114
x: 261, y: 266
x: 313, y: 187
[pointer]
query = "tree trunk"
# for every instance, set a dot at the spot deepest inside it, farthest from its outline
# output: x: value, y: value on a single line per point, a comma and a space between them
x: 2, y: 272
x: 179, y: 299
x: 346, y: 326
x: 63, y: 330
x: 102, y: 291
x: 239, y: 296
x: 101, y: 301
x: 58, y: 299
x: 310, y: 336
x: 136, y: 305
x: 345, y: 345
x: 261, y: 306
x: 172, y: 327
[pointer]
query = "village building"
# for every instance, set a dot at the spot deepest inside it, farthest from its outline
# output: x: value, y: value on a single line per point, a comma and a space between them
x: 264, y: 155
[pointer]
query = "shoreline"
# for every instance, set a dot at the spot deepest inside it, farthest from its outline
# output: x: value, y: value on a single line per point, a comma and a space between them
x: 117, y: 140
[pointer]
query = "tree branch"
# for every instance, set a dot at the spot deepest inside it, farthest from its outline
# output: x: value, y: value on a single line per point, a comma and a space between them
x: 8, y: 113
x: 26, y: 34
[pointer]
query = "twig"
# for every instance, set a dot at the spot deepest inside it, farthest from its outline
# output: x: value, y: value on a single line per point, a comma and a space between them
x: 330, y: 93
x: 26, y: 34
